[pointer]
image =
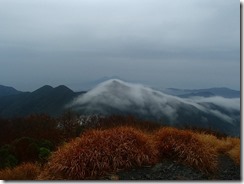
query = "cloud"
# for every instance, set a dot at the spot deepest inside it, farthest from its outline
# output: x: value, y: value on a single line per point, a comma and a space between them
x: 198, y: 40
x: 226, y: 103
x: 116, y: 96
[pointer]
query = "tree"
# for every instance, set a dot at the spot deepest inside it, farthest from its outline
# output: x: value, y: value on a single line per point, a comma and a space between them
x: 69, y: 124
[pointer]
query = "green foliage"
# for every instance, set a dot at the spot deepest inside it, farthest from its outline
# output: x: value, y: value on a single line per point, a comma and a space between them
x: 10, y: 161
x: 44, y: 153
x: 6, y: 158
x: 25, y: 149
x: 46, y: 144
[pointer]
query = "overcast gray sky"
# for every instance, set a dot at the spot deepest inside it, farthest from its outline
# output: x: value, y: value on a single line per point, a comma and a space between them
x: 161, y: 43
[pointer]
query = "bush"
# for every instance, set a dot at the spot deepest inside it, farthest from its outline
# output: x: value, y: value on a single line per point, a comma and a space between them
x: 229, y: 146
x: 99, y: 152
x: 6, y: 158
x: 234, y: 150
x: 25, y: 149
x: 46, y: 144
x: 25, y: 171
x: 185, y: 147
x: 44, y: 153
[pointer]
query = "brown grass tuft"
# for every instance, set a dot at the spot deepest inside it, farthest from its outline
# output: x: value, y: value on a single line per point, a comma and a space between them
x: 25, y: 171
x: 229, y: 146
x: 184, y: 146
x: 235, y: 151
x: 99, y: 152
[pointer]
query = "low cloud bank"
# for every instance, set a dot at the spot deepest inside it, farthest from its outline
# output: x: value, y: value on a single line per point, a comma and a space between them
x: 116, y: 96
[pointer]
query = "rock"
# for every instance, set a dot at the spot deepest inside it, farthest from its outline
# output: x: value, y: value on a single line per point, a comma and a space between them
x: 157, y: 167
x: 171, y: 170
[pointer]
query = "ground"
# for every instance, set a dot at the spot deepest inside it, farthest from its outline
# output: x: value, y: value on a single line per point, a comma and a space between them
x: 172, y: 170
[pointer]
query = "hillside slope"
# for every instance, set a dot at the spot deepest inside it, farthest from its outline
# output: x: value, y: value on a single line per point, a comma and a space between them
x: 118, y: 97
x: 6, y: 91
x: 43, y: 100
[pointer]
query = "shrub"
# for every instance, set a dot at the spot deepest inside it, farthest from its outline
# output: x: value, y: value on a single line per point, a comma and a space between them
x: 6, y: 158
x: 229, y: 146
x: 234, y: 152
x: 25, y: 149
x: 25, y: 171
x: 99, y: 152
x: 44, y: 153
x: 46, y: 144
x: 185, y: 147
x: 220, y: 145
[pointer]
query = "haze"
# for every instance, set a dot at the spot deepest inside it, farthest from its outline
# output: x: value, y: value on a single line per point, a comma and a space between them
x: 160, y: 43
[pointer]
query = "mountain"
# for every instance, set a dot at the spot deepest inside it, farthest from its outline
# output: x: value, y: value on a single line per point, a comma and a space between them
x: 195, y: 94
x: 43, y: 100
x: 187, y: 93
x: 5, y: 91
x: 91, y: 84
x: 197, y: 108
x: 118, y: 97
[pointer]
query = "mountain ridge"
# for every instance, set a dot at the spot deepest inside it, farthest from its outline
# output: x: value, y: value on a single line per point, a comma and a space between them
x: 115, y: 96
x: 122, y: 98
x: 45, y: 99
x: 6, y: 90
x: 217, y: 91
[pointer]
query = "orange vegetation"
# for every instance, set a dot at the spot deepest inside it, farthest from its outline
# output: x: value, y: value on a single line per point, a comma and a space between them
x: 235, y: 151
x: 99, y: 152
x: 25, y: 171
x: 184, y: 146
x: 229, y: 146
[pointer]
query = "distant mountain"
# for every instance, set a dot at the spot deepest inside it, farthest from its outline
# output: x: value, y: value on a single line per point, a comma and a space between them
x: 43, y: 100
x: 213, y: 108
x: 200, y: 94
x: 5, y: 91
x: 91, y: 84
x: 118, y: 97
x: 186, y: 93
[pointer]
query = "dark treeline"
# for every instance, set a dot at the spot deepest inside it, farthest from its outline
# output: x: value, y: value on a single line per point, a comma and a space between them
x: 33, y: 138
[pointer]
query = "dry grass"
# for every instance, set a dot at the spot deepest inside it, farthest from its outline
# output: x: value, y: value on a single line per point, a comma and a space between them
x: 184, y: 146
x: 99, y: 152
x: 229, y: 146
x: 235, y: 151
x: 25, y: 171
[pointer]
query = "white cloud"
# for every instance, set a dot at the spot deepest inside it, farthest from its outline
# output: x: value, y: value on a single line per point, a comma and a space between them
x: 124, y: 97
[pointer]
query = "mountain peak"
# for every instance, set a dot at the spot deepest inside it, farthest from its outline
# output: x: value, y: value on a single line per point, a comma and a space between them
x: 114, y: 81
x: 6, y: 90
x: 63, y: 88
x: 115, y: 85
x: 44, y: 89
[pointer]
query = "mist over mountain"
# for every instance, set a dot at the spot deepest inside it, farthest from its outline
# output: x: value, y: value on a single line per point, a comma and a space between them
x: 186, y: 93
x: 118, y: 97
x: 88, y: 85
x: 198, y: 108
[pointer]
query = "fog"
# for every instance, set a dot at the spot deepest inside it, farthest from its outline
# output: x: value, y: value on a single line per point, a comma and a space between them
x: 139, y: 99
x: 188, y: 44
